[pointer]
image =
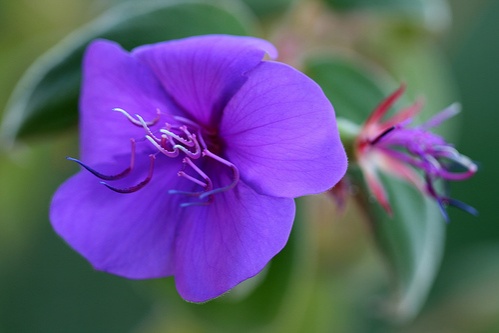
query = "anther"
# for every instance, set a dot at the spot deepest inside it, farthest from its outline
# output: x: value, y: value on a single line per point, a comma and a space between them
x: 138, y: 123
x: 110, y: 177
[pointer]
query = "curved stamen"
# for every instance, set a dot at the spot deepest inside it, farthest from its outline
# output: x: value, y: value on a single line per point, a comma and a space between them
x: 196, y: 203
x: 189, y: 193
x: 452, y: 155
x: 444, y: 201
x: 202, y: 142
x: 138, y: 123
x: 461, y: 205
x: 433, y: 166
x: 196, y: 154
x: 146, y: 128
x: 470, y: 170
x: 403, y: 157
x: 192, y: 194
x: 140, y: 185
x: 207, y: 186
x: 192, y: 179
x: 209, y: 183
x: 235, y: 175
x: 173, y: 153
x: 189, y: 143
x: 110, y: 177
x: 431, y: 162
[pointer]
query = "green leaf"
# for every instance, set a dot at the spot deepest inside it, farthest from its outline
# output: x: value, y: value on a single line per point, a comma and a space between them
x: 404, y: 6
x: 465, y: 294
x: 353, y: 88
x: 411, y: 241
x: 376, y: 4
x: 265, y: 7
x: 411, y: 16
x: 46, y: 98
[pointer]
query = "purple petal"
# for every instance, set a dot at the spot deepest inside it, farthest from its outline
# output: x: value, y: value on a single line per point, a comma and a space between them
x: 114, y: 79
x: 229, y: 241
x: 131, y: 235
x: 280, y: 131
x: 202, y: 73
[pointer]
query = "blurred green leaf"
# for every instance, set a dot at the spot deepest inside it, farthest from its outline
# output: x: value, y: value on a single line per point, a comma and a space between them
x: 398, y: 5
x: 409, y: 15
x: 412, y: 242
x: 352, y: 88
x: 418, y: 61
x: 265, y: 7
x: 46, y: 98
x: 411, y: 7
x: 465, y: 300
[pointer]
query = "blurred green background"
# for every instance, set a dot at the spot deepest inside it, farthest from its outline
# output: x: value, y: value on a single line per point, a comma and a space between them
x: 46, y: 287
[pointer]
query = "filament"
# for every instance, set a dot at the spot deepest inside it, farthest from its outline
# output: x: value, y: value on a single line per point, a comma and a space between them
x: 140, y: 185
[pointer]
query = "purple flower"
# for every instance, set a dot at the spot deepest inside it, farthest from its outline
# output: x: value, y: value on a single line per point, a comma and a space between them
x: 400, y: 150
x: 202, y: 146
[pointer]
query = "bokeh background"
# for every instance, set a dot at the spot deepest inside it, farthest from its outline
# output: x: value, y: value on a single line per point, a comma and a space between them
x: 330, y: 276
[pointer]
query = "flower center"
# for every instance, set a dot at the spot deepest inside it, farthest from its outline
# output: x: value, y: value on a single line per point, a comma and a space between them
x: 184, y: 138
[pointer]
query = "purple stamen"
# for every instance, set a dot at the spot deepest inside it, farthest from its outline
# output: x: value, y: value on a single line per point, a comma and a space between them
x: 196, y: 154
x: 209, y: 183
x: 189, y: 193
x: 146, y: 128
x: 192, y: 179
x: 442, y: 116
x: 140, y: 185
x: 461, y: 205
x: 195, y: 203
x: 444, y: 201
x: 202, y: 142
x: 190, y: 143
x: 110, y: 177
x: 175, y: 139
x: 173, y: 153
x: 235, y: 172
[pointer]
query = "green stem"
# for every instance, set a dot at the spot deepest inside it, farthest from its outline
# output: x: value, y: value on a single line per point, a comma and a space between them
x: 348, y: 134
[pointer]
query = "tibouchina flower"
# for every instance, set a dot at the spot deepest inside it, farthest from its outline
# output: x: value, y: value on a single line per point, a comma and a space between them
x: 200, y: 145
x: 395, y: 148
